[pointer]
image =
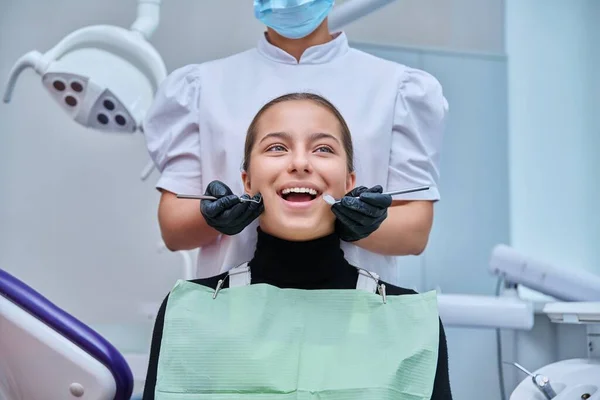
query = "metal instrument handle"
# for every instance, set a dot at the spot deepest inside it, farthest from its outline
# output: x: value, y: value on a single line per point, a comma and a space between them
x: 204, y: 197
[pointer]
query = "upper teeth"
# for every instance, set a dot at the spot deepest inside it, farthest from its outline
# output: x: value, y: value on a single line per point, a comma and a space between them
x: 299, y: 190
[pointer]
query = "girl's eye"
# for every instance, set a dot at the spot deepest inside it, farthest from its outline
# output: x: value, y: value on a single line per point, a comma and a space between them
x: 326, y: 149
x: 276, y: 147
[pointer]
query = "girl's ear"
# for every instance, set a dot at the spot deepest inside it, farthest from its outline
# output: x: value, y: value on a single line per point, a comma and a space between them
x: 350, y: 181
x: 246, y: 182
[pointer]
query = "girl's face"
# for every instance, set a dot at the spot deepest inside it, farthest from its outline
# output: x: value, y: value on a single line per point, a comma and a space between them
x: 298, y: 155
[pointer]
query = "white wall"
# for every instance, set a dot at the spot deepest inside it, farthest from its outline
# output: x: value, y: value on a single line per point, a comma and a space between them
x: 554, y: 130
x: 553, y: 85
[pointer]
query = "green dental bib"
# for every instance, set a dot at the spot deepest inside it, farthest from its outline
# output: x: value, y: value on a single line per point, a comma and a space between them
x: 261, y: 342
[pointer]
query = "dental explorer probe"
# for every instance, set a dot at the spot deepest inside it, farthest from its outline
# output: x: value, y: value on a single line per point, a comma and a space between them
x: 205, y: 197
x: 331, y: 200
x: 540, y: 381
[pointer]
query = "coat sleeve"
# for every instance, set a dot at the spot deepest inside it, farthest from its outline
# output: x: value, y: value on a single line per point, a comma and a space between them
x: 418, y: 128
x: 171, y: 130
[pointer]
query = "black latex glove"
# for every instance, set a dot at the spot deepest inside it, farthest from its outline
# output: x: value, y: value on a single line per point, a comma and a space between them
x: 228, y: 214
x: 360, y: 212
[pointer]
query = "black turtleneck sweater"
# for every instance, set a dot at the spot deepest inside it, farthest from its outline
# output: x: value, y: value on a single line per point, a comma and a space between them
x: 316, y: 264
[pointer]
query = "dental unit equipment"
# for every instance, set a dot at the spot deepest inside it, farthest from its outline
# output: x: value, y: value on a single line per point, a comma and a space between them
x: 570, y: 379
x: 560, y: 283
x: 575, y: 300
x: 329, y: 199
x: 351, y: 10
x: 540, y: 381
x: 48, y: 354
x: 479, y: 311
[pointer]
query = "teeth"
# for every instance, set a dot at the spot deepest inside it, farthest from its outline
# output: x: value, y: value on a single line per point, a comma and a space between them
x: 299, y: 190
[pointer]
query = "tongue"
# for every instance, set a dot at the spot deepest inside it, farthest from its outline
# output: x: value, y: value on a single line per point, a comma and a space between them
x: 298, y: 197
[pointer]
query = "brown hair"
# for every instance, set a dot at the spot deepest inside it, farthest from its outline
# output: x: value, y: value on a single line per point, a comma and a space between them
x: 345, y: 131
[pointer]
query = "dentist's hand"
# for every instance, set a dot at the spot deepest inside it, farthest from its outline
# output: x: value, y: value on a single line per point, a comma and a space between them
x: 228, y: 214
x: 360, y: 212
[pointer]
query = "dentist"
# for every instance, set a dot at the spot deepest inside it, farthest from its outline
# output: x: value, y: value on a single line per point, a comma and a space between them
x: 195, y: 132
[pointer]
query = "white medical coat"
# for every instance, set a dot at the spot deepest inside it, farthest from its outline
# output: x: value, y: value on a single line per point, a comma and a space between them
x: 196, y: 127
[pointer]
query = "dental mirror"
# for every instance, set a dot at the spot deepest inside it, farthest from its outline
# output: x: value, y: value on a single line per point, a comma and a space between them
x: 331, y: 200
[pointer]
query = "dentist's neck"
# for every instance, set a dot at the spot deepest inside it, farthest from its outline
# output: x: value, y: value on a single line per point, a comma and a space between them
x: 297, y: 47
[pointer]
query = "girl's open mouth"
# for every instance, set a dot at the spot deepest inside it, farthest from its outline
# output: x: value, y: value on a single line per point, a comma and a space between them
x: 298, y: 194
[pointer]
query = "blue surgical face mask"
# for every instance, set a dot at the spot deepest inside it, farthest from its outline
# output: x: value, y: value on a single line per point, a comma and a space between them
x: 293, y: 19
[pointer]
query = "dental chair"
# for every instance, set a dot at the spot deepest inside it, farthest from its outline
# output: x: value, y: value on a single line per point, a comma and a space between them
x: 45, y: 353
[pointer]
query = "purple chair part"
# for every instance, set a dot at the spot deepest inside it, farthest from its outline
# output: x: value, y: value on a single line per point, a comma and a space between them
x: 71, y: 328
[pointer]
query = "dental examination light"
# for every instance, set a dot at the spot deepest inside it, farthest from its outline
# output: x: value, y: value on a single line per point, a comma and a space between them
x: 104, y: 77
x: 350, y: 10
x: 560, y: 283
